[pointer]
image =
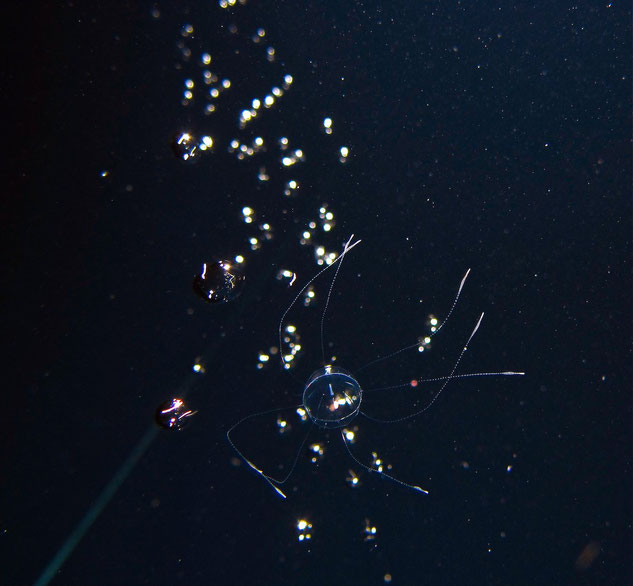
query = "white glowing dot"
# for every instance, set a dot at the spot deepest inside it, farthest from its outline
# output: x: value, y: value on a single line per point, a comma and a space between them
x: 344, y: 151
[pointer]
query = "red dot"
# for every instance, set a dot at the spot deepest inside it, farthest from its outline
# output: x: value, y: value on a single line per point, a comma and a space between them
x: 414, y: 383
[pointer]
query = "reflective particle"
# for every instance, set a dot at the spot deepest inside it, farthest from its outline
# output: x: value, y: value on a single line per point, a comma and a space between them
x: 218, y: 282
x: 173, y: 414
x: 186, y: 147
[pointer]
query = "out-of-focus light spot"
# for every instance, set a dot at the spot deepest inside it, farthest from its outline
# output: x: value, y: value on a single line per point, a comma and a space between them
x: 304, y: 530
x: 316, y: 453
x: 369, y: 530
x: 587, y: 556
x: 352, y: 479
x: 198, y: 367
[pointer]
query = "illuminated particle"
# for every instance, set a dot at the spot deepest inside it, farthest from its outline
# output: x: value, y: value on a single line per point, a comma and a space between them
x: 206, y: 143
x: 424, y: 343
x: 302, y: 414
x: 376, y: 462
x: 304, y: 530
x: 350, y: 435
x: 343, y: 154
x: 291, y: 276
x: 282, y: 425
x: 173, y: 414
x: 198, y: 367
x: 205, y: 59
x: 226, y: 4
x: 186, y: 147
x: 327, y: 125
x: 218, y: 282
x: 369, y: 530
x: 352, y: 479
x: 308, y: 296
x: 262, y: 175
x: 248, y: 215
x: 291, y: 188
x: 316, y: 453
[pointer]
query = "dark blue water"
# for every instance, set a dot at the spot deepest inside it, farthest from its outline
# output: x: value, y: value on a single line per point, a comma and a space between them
x: 483, y: 136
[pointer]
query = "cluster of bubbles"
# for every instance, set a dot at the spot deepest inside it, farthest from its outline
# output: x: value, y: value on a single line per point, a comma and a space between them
x: 206, y: 89
x: 267, y: 156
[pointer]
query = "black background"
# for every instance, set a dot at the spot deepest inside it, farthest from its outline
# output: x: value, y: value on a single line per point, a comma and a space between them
x: 486, y: 136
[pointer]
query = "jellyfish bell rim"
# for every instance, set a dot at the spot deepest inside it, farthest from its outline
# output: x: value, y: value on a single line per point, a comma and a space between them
x: 351, y: 406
